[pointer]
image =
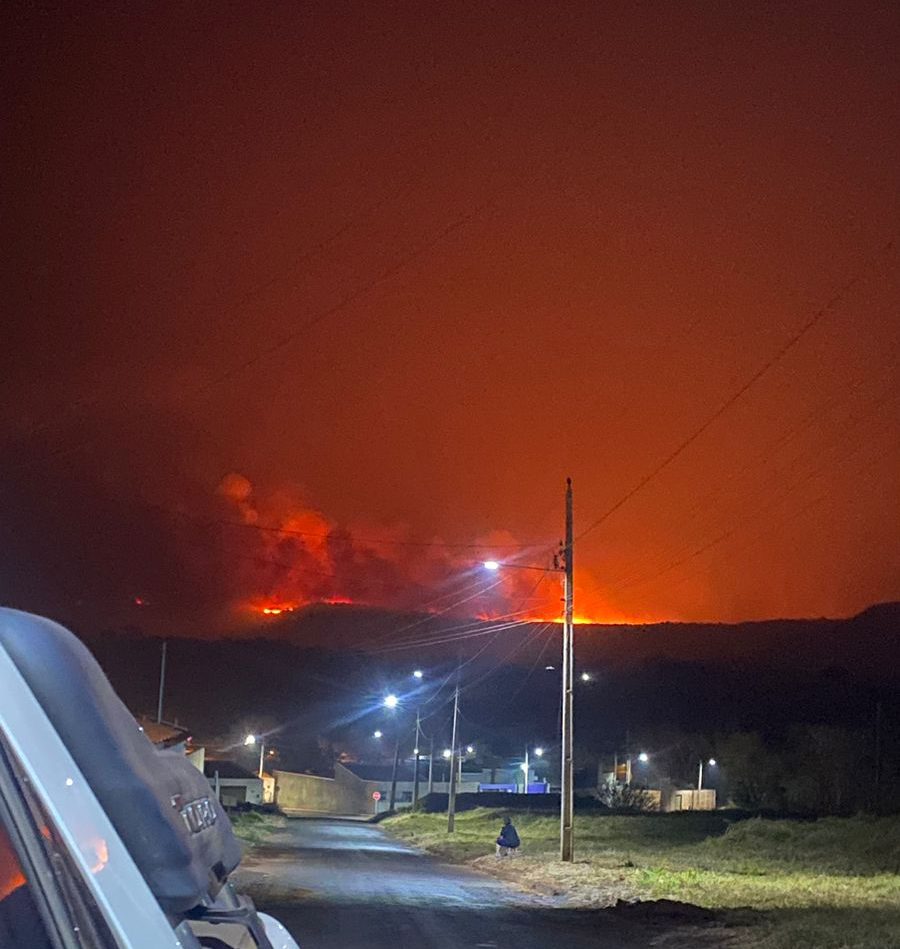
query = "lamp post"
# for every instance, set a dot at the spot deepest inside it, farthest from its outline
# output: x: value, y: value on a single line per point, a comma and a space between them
x: 418, y: 675
x: 712, y: 763
x: 252, y: 740
x: 391, y: 702
x: 567, y: 784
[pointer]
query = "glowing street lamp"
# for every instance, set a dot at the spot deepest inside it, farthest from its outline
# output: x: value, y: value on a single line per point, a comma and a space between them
x: 378, y: 733
x: 418, y: 674
x: 391, y: 701
x: 491, y: 565
x: 643, y: 757
x: 712, y: 764
x: 539, y: 752
x: 252, y: 740
x: 470, y: 749
x: 585, y: 677
x: 446, y: 753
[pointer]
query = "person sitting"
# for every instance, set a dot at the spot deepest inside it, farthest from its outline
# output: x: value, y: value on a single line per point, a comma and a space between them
x: 508, y: 841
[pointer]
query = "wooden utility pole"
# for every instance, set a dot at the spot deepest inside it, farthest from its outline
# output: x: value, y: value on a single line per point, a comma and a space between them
x: 162, y: 681
x: 567, y: 785
x: 393, y: 797
x: 451, y: 797
x: 416, y: 749
x: 877, y: 775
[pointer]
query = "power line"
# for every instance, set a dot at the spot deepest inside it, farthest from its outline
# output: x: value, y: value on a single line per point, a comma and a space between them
x: 632, y: 574
x: 744, y: 522
x: 738, y: 394
x: 348, y: 298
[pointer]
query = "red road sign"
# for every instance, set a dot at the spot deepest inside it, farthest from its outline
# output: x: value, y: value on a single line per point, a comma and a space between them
x: 376, y: 795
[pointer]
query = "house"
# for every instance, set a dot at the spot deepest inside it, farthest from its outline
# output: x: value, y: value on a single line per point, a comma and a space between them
x: 173, y: 737
x: 233, y: 783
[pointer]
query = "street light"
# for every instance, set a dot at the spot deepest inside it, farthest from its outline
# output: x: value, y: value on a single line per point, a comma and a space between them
x: 491, y: 565
x: 643, y: 757
x: 470, y: 749
x: 539, y: 752
x: 378, y: 733
x: 418, y: 674
x: 391, y: 701
x: 712, y: 764
x: 446, y: 753
x: 252, y: 740
x: 585, y: 677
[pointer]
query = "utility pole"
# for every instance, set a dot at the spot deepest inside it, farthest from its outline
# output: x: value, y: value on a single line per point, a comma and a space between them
x: 525, y: 785
x: 262, y: 756
x: 700, y: 777
x: 431, y: 763
x: 392, y: 800
x: 877, y: 775
x: 162, y: 681
x: 451, y: 797
x: 415, y: 798
x: 567, y: 785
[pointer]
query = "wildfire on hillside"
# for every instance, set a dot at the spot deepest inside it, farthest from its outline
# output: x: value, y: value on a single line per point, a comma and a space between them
x: 283, y: 555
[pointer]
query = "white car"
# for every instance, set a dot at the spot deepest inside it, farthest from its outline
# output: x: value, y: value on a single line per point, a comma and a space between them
x: 105, y: 841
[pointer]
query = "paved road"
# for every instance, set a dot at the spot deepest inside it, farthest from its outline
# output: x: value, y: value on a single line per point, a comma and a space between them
x: 348, y: 885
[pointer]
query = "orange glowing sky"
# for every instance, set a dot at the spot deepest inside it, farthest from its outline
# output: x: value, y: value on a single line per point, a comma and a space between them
x: 405, y: 270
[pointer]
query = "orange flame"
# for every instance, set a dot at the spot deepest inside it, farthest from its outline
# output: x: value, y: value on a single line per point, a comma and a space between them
x: 299, y: 557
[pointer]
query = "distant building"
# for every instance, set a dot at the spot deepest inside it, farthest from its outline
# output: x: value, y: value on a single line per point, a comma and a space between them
x: 173, y: 737
x: 166, y: 735
x: 233, y: 783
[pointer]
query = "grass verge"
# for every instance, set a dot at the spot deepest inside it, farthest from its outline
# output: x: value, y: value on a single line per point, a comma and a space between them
x: 252, y: 827
x: 826, y: 884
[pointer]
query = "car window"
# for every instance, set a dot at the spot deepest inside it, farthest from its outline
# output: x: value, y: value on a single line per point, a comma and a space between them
x: 55, y: 892
x: 20, y: 921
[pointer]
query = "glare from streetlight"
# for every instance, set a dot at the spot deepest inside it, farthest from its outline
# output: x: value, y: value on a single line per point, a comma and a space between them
x: 470, y: 749
x: 585, y: 677
x: 447, y: 752
x: 377, y: 733
x: 711, y: 762
x: 250, y: 740
x: 643, y: 757
x: 391, y: 701
x: 418, y: 674
x: 415, y: 751
x: 491, y: 565
x: 539, y: 752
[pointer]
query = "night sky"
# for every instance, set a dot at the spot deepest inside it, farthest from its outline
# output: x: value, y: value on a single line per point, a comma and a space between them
x: 383, y: 275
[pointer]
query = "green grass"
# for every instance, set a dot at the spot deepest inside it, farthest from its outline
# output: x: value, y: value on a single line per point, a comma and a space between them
x: 252, y: 828
x: 813, y: 884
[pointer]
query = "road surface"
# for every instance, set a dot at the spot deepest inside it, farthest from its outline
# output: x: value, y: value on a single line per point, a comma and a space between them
x: 348, y: 885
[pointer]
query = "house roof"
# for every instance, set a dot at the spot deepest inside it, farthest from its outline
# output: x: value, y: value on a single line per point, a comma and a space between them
x: 229, y: 770
x: 163, y: 734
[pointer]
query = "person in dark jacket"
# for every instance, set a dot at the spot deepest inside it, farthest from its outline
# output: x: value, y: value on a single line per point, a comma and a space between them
x: 508, y: 841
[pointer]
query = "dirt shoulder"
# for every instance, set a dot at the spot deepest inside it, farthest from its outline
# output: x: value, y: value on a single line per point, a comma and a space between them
x: 831, y: 884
